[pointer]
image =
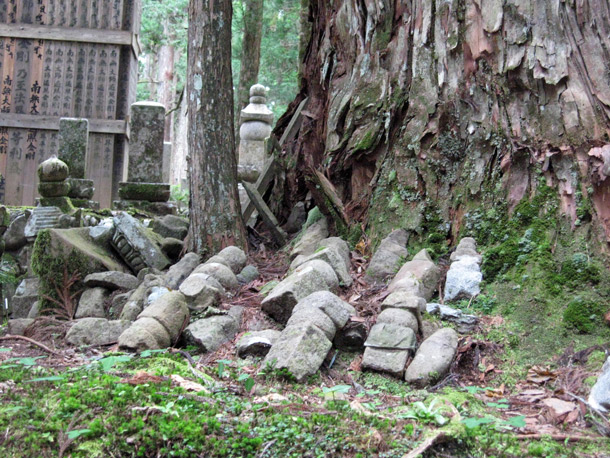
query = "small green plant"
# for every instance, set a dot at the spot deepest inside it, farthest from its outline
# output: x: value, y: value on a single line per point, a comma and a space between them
x: 179, y: 195
x: 333, y: 390
x: 426, y: 414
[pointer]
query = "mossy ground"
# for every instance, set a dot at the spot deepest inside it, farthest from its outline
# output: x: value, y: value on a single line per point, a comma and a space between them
x: 122, y: 405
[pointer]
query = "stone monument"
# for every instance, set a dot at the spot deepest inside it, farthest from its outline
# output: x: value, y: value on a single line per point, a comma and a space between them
x: 256, y: 120
x: 54, y: 201
x: 73, y: 138
x: 145, y: 188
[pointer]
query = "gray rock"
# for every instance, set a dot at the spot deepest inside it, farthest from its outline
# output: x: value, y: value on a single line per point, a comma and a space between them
x: 433, y: 358
x: 201, y: 291
x: 384, y: 360
x: 112, y: 280
x: 333, y: 306
x: 402, y: 317
x: 463, y: 279
x: 103, y: 232
x: 388, y: 257
x: 17, y: 326
x: 150, y: 271
x: 466, y: 247
x: 422, y: 255
x: 313, y: 316
x: 248, y: 274
x: 235, y: 258
x: 323, y: 268
x: 158, y: 326
x: 96, y: 331
x: 25, y: 297
x: 407, y: 283
x: 182, y: 269
x: 237, y: 312
x: 333, y: 257
x: 465, y: 323
x: 404, y: 300
x: 35, y: 310
x: 171, y: 311
x: 172, y: 247
x: 222, y: 273
x: 117, y: 304
x: 210, y: 333
x: 155, y: 292
x: 170, y: 226
x: 339, y: 245
x: 310, y: 238
x: 138, y: 298
x: 135, y: 245
x: 422, y: 269
x: 296, y: 219
x: 599, y: 398
x: 300, y: 350
x: 300, y: 284
x: 429, y: 327
x: 144, y: 334
x: 257, y: 343
x: 391, y: 336
x: 218, y: 260
x: 91, y: 303
x: 14, y: 237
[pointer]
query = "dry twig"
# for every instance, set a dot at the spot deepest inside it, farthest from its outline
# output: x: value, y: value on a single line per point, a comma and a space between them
x: 33, y: 342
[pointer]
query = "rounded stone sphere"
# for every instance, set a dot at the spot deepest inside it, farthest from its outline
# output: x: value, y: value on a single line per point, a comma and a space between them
x: 258, y: 90
x: 52, y: 169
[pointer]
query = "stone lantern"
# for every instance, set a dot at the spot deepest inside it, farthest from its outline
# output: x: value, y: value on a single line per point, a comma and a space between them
x: 256, y: 120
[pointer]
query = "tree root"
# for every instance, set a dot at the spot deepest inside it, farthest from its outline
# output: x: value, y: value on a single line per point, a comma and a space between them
x: 439, y: 437
x: 33, y: 342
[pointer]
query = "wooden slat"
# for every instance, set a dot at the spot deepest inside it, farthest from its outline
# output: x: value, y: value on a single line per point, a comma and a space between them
x: 261, y: 186
x: 294, y: 123
x: 265, y: 213
x: 102, y: 126
x: 81, y: 35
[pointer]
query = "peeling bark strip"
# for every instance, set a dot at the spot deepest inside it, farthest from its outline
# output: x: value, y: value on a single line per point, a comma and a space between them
x: 454, y: 96
x: 215, y: 214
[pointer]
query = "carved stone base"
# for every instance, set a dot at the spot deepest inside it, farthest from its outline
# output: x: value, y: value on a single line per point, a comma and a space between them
x: 151, y: 192
x: 156, y: 208
x: 84, y: 203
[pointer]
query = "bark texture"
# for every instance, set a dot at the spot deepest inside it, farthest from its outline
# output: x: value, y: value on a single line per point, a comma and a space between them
x: 419, y: 106
x: 215, y: 214
x: 251, y: 51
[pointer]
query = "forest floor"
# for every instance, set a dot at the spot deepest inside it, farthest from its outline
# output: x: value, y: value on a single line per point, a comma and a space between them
x: 60, y: 401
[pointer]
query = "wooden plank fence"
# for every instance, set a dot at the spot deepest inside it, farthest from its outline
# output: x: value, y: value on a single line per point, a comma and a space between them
x: 65, y: 58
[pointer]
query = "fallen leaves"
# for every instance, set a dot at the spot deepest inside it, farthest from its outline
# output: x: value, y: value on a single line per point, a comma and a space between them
x: 562, y: 411
x: 142, y: 378
x: 188, y: 385
x: 540, y: 375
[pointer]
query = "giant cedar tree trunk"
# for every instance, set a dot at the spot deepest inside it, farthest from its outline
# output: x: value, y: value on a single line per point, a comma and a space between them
x: 449, y: 106
x: 251, y: 50
x: 215, y: 214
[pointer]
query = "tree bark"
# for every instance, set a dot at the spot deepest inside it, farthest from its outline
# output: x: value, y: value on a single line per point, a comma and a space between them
x: 251, y: 50
x: 215, y: 214
x: 444, y: 106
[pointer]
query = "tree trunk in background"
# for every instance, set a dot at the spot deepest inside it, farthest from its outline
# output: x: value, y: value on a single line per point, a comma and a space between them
x: 422, y: 107
x: 166, y: 84
x: 251, y: 50
x: 215, y: 214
